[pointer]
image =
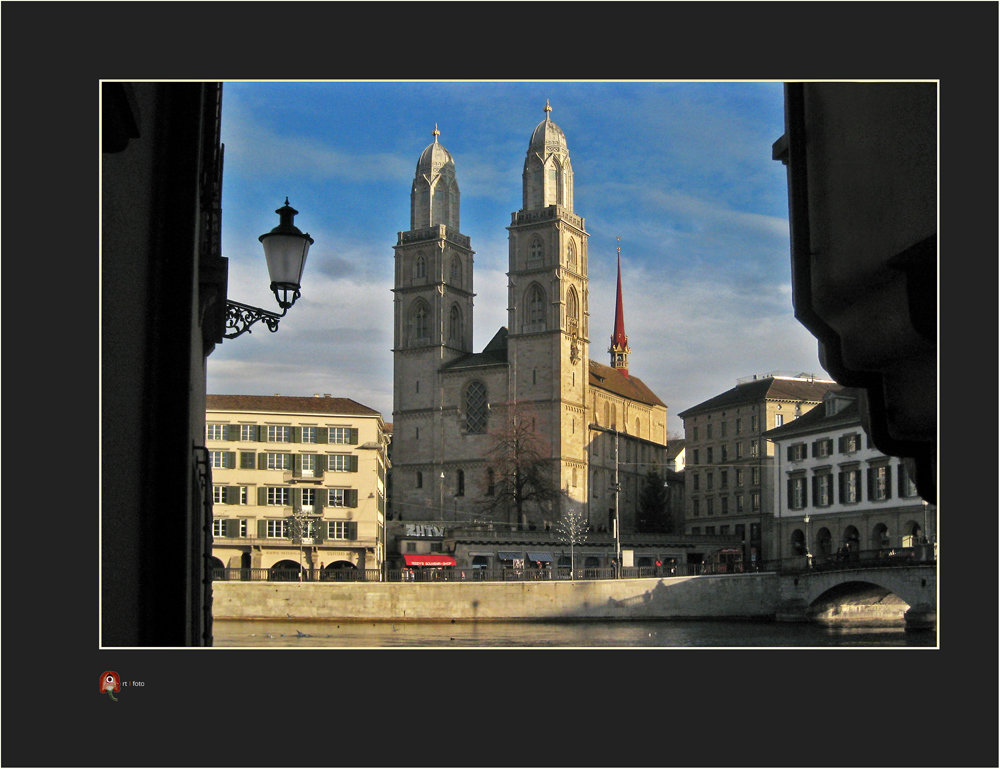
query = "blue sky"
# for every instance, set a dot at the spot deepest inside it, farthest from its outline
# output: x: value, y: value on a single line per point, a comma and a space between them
x: 680, y: 172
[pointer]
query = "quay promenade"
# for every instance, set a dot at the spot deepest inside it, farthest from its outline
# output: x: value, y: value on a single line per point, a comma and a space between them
x: 886, y: 594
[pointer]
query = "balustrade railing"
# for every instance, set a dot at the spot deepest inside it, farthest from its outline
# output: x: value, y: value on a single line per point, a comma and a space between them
x: 864, y: 559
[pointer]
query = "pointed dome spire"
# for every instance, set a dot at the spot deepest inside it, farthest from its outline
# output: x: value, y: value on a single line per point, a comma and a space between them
x: 434, y: 196
x: 619, y: 339
x: 548, y: 174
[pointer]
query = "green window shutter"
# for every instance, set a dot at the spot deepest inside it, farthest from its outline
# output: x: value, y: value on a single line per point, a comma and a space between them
x: 322, y: 436
x: 888, y: 482
x: 351, y: 497
x: 296, y: 499
x: 296, y: 435
x: 232, y: 432
x: 353, y: 437
x: 321, y: 499
x: 247, y: 460
x: 229, y: 460
x: 840, y: 444
x: 261, y: 496
x: 230, y: 527
x: 262, y: 461
x: 297, y: 465
x: 231, y: 495
x: 261, y: 432
x: 352, y: 528
x: 261, y: 529
x: 871, y: 482
x: 353, y: 463
x: 318, y: 533
x: 788, y: 453
x: 815, y: 488
x: 841, y: 481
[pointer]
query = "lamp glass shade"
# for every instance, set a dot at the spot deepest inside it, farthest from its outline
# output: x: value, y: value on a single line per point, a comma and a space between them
x: 286, y: 257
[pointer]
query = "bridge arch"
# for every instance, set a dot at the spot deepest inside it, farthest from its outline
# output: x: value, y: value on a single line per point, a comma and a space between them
x: 906, y: 593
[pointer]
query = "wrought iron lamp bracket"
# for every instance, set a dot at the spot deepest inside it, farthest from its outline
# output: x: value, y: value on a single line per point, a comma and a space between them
x: 240, y: 317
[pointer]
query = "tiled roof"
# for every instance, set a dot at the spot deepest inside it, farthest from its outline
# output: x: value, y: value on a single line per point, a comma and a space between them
x: 772, y: 389
x: 494, y: 353
x: 288, y: 403
x: 612, y: 380
x: 674, y: 447
x: 816, y: 419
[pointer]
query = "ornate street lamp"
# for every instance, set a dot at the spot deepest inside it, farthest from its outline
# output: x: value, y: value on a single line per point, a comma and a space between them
x: 285, y: 249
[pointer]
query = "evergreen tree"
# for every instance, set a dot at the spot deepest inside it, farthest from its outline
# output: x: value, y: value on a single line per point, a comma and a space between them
x: 653, y: 514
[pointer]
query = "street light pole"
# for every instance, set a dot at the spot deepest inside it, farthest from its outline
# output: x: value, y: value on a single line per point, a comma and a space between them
x: 618, y: 539
x: 805, y: 520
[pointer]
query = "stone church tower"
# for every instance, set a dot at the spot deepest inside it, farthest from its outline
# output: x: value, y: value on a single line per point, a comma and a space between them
x: 547, y: 311
x: 448, y: 399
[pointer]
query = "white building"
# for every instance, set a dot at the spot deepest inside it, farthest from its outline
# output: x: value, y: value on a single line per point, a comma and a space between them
x: 837, y: 494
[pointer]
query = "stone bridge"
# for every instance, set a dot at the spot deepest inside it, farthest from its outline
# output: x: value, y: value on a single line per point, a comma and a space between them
x: 863, y: 593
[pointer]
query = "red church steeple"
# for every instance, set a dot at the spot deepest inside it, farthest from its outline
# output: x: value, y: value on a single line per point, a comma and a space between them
x: 619, y: 339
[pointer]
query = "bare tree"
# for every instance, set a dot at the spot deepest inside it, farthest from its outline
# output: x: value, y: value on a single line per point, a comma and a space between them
x: 571, y: 528
x: 519, y: 460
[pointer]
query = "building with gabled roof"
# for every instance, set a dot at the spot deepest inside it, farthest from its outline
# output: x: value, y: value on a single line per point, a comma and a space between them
x: 728, y: 480
x: 837, y: 495
x: 601, y: 429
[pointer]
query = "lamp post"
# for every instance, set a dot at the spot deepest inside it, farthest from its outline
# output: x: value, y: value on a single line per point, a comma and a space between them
x: 618, y: 538
x: 809, y: 557
x: 285, y: 250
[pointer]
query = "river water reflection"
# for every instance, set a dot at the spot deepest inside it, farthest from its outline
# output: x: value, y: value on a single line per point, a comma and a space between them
x: 649, y: 634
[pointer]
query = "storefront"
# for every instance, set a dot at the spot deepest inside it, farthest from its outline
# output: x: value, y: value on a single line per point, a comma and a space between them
x: 425, y: 567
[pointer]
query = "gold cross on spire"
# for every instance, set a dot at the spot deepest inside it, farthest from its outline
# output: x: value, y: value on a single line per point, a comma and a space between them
x: 436, y: 132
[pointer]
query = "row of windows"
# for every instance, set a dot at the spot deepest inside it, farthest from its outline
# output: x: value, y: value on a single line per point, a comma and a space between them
x: 742, y: 451
x: 740, y: 504
x: 285, y: 496
x: 738, y: 423
x: 302, y: 465
x: 420, y: 269
x: 878, y: 487
x: 284, y: 528
x: 536, y: 253
x: 217, y: 431
x: 739, y: 477
x: 823, y: 447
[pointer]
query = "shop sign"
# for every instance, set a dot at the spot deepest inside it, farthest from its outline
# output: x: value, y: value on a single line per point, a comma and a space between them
x: 424, y: 530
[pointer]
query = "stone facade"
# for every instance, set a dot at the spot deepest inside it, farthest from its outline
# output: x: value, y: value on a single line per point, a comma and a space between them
x: 450, y: 403
x: 728, y: 480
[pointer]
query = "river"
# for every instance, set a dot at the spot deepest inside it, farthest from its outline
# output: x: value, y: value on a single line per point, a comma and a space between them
x: 595, y: 634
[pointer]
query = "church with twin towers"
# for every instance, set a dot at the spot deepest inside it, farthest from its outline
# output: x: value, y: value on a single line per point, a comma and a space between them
x: 596, y: 427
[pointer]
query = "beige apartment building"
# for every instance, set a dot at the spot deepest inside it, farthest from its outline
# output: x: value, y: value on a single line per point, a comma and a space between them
x: 729, y: 488
x: 296, y: 480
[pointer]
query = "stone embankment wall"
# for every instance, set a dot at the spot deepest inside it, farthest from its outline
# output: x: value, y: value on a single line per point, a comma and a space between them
x: 743, y: 596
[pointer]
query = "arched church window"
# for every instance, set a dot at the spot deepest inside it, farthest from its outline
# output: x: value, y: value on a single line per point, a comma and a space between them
x: 419, y: 325
x: 536, y: 305
x: 420, y: 267
x: 571, y: 255
x: 455, y: 325
x: 535, y: 250
x: 475, y: 408
x: 572, y: 310
x: 456, y: 272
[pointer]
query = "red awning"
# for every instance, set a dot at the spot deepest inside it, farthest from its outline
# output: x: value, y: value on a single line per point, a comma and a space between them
x: 429, y: 560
